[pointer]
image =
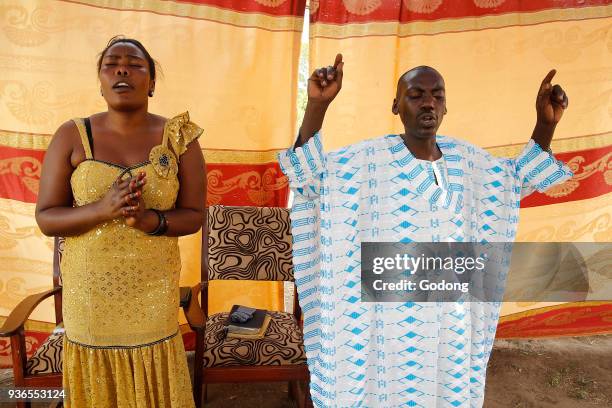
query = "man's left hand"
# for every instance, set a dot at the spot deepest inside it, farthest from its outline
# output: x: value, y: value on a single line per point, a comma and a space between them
x: 551, y: 101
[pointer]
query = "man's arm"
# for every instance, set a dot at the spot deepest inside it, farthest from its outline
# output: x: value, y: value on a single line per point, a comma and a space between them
x: 323, y: 86
x: 551, y: 102
x: 535, y: 168
x: 305, y: 162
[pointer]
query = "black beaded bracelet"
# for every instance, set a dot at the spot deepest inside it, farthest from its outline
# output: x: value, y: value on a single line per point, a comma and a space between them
x: 162, y: 225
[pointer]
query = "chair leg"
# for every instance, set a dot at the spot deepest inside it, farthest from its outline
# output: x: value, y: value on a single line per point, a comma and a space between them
x: 307, y: 400
x: 197, y: 393
x: 293, y: 390
x: 200, y: 395
x: 198, y: 370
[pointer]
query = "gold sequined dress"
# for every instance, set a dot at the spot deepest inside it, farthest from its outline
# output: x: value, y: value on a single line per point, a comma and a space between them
x: 121, y: 290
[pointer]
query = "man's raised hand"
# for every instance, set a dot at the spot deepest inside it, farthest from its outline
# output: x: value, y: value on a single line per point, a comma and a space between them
x: 323, y: 86
x: 325, y: 83
x: 551, y: 101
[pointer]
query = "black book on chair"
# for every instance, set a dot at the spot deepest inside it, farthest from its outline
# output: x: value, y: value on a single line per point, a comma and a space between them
x: 251, y: 326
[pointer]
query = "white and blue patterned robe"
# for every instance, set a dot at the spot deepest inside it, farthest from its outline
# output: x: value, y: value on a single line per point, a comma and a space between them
x: 399, y: 354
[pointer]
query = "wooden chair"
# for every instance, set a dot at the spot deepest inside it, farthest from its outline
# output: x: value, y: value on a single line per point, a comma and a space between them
x: 249, y: 243
x: 44, y: 368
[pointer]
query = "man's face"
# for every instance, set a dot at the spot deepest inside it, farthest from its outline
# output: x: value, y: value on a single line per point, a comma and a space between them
x: 421, y: 102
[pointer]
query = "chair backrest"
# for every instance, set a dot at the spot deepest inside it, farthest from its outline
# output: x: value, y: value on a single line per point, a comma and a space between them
x: 58, y: 251
x: 247, y: 243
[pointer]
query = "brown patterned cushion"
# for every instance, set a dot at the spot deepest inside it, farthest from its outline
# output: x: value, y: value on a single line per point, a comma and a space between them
x: 282, y: 344
x: 48, y: 357
x: 250, y: 243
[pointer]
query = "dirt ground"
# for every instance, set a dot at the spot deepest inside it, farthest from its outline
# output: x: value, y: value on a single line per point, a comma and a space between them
x: 572, y: 372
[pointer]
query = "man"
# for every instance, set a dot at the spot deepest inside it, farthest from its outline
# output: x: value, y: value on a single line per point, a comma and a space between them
x: 413, y: 187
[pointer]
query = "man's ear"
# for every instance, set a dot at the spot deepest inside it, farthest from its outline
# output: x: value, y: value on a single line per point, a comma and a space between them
x: 394, y: 107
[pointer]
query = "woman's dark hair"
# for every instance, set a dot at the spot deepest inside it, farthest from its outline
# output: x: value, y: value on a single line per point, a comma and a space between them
x: 121, y: 39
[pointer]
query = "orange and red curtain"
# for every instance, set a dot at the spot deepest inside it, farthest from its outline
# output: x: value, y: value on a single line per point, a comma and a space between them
x: 234, y: 65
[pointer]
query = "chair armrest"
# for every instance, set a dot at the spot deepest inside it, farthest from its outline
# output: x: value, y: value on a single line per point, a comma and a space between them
x: 193, y: 312
x: 16, y: 320
x: 185, y: 296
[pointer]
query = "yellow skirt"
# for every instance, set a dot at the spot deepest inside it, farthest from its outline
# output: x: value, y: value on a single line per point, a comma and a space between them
x: 149, y: 376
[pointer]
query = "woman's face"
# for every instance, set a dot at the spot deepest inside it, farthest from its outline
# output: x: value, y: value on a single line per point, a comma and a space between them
x: 125, y: 77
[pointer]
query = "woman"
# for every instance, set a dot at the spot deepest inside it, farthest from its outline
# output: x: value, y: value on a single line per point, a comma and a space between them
x: 122, y: 185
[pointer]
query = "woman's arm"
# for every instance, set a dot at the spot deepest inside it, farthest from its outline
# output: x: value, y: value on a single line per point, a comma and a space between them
x: 186, y: 217
x: 55, y: 214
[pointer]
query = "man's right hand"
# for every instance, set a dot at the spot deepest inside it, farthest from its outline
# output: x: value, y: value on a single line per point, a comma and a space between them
x: 325, y: 83
x: 323, y: 86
